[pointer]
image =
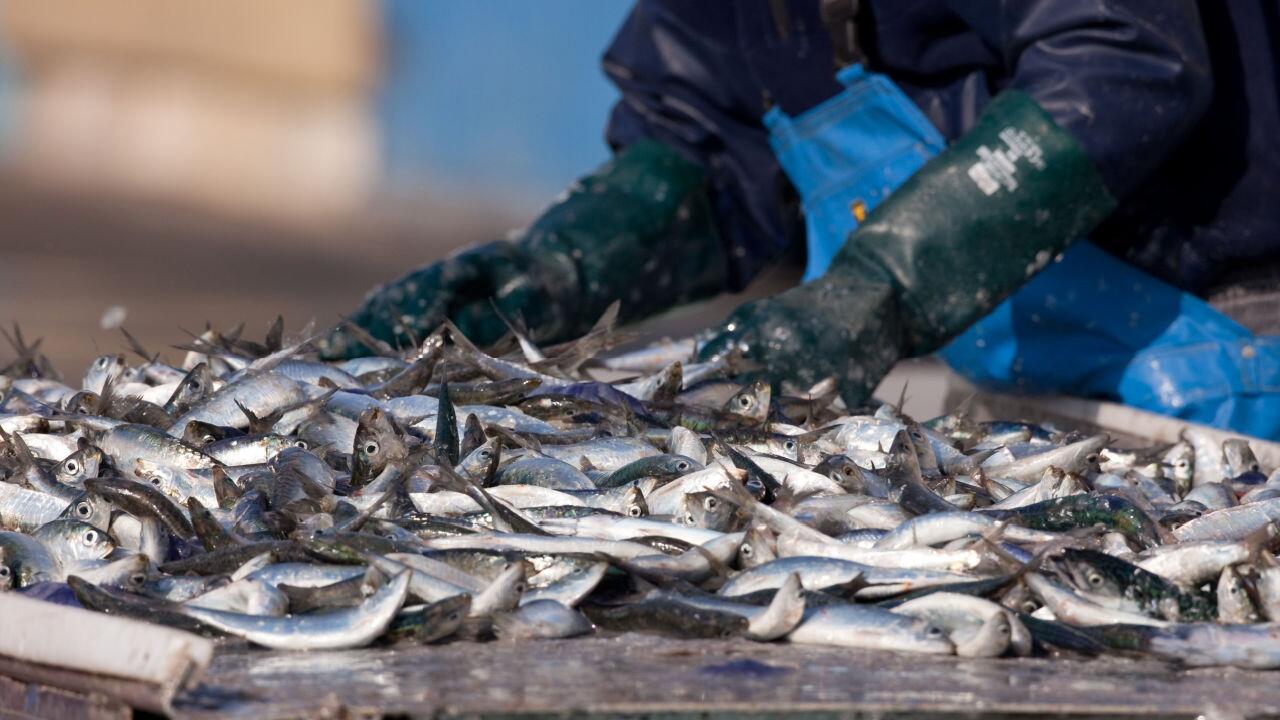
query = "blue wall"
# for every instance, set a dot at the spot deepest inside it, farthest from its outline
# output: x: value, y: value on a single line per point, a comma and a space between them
x: 499, y: 99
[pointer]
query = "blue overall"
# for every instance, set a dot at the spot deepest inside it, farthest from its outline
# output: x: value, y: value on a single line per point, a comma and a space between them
x: 1089, y: 324
x: 845, y: 155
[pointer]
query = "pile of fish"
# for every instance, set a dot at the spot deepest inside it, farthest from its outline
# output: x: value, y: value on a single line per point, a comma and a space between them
x: 445, y: 493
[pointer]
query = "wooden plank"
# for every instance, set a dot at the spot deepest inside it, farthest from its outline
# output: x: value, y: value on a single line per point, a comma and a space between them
x: 21, y: 700
x: 638, y: 674
x: 87, y: 652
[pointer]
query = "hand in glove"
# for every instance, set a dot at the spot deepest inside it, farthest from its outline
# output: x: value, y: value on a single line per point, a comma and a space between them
x: 639, y: 230
x: 967, y: 230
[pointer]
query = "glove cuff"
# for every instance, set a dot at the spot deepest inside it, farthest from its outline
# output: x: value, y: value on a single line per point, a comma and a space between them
x: 979, y: 220
x: 639, y: 230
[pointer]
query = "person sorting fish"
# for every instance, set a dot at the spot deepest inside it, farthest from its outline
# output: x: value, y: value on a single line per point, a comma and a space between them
x: 1045, y: 192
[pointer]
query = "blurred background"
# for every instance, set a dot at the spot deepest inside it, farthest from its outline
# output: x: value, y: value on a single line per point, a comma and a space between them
x: 166, y: 164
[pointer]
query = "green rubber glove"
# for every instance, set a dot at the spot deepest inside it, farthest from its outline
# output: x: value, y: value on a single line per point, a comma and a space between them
x: 640, y: 230
x: 962, y: 234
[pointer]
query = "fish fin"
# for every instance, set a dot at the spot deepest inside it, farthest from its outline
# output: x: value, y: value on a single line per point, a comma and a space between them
x: 518, y: 329
x: 1258, y: 541
x: 362, y: 336
x: 274, y: 338
x: 964, y: 407
x: 224, y: 488
x: 136, y: 347
x: 847, y: 589
x: 902, y: 396
x: 410, y: 381
x: 459, y: 339
x: 363, y: 517
x: 571, y: 356
x: 253, y: 419
x: 530, y: 444
x: 25, y: 456
x: 518, y: 521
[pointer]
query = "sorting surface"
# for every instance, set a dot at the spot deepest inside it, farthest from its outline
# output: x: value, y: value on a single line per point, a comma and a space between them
x: 641, y: 674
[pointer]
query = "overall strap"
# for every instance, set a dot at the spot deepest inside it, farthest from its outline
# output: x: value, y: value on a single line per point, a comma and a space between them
x: 841, y: 19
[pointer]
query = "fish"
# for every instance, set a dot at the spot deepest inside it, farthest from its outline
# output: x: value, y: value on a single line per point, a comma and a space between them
x: 540, y: 620
x: 424, y: 624
x: 448, y: 493
x: 1235, y: 603
x: 671, y: 618
x: 346, y: 628
x: 764, y: 623
x: 858, y: 626
x: 976, y: 626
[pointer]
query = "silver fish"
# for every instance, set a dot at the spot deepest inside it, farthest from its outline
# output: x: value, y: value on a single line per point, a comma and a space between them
x: 334, y: 630
x: 540, y: 620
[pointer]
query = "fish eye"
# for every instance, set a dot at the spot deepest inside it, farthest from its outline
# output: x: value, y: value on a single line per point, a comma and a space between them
x: 1095, y: 579
x: 744, y: 401
x: 789, y: 446
x: 102, y: 361
x: 726, y: 633
x: 1235, y: 590
x: 848, y: 471
x: 137, y: 579
x: 688, y: 518
x: 1004, y: 629
x: 195, y: 384
x: 453, y: 617
x: 1029, y: 606
x: 4, y: 571
x: 1254, y: 467
x: 710, y: 504
x: 682, y: 466
x: 83, y: 509
x: 934, y: 632
x: 1183, y: 464
x: 519, y: 587
x: 90, y: 537
x: 485, y: 454
x: 1091, y: 458
x: 634, y: 511
x: 371, y: 448
x: 155, y: 481
x: 300, y: 444
x: 747, y: 551
x: 71, y: 466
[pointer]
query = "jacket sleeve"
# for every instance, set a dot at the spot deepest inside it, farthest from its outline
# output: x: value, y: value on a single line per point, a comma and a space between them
x: 1128, y: 79
x: 679, y: 68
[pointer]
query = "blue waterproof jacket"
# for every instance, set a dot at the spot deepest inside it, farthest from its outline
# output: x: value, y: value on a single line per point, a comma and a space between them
x: 1175, y: 101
